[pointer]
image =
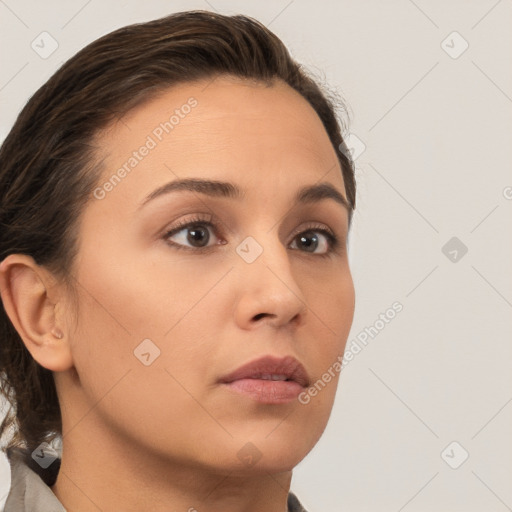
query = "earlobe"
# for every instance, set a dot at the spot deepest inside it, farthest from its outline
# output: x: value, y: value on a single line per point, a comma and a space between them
x: 24, y: 287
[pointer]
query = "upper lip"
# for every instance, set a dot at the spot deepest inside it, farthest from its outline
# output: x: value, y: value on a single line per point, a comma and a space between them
x: 288, y: 366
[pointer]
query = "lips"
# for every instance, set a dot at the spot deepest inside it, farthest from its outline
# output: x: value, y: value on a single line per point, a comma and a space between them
x: 269, y: 380
x: 269, y: 368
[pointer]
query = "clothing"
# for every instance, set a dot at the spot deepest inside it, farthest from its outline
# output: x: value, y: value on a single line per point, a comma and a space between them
x: 30, y: 488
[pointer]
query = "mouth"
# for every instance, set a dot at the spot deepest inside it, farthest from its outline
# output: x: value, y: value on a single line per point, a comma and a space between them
x: 269, y: 380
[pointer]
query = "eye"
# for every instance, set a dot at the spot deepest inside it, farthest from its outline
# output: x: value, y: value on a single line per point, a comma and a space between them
x: 195, y: 234
x: 309, y: 239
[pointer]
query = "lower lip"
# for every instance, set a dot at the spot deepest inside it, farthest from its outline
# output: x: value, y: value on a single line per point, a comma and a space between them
x: 267, y: 391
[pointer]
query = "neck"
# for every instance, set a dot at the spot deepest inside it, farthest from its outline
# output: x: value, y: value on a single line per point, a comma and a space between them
x: 100, y: 471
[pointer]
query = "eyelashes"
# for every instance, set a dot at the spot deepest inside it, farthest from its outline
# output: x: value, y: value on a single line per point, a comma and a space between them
x: 332, y: 241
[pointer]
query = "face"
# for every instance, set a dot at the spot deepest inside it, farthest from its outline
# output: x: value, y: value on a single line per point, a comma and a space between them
x: 180, y: 290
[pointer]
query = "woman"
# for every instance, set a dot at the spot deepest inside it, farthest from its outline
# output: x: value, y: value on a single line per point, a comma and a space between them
x: 174, y: 272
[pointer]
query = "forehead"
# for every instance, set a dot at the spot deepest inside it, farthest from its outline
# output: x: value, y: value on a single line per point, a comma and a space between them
x: 239, y: 130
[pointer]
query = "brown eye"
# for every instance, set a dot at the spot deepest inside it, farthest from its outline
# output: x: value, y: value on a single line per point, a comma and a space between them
x: 310, y: 241
x: 195, y: 235
x: 192, y: 234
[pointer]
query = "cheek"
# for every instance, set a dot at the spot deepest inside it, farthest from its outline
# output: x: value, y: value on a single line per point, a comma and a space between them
x: 110, y: 355
x: 134, y: 311
x: 137, y: 296
x: 332, y: 309
x: 331, y: 304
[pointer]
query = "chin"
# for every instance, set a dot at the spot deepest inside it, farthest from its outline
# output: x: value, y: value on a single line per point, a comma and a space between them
x: 268, y: 465
x: 272, y: 453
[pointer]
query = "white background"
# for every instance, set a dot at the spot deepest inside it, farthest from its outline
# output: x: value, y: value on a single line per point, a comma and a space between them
x: 437, y: 161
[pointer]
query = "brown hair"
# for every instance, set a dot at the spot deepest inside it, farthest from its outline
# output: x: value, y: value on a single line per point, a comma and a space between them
x: 48, y: 167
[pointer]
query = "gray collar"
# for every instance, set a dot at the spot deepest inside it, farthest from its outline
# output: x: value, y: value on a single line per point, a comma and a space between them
x: 28, y: 491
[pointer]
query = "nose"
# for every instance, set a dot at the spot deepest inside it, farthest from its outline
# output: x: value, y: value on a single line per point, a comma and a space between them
x: 268, y: 291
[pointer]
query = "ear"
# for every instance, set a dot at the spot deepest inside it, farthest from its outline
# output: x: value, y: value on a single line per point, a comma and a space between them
x: 30, y: 297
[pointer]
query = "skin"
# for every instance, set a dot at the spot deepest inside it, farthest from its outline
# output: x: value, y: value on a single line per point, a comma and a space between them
x: 168, y: 434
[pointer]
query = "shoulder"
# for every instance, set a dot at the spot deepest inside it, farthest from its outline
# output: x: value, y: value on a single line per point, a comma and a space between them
x: 294, y: 504
x: 30, y: 488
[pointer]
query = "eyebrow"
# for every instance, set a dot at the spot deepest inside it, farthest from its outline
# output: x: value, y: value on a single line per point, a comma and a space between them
x: 309, y: 194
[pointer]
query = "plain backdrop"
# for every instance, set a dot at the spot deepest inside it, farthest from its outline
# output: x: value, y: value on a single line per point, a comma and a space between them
x: 423, y: 415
